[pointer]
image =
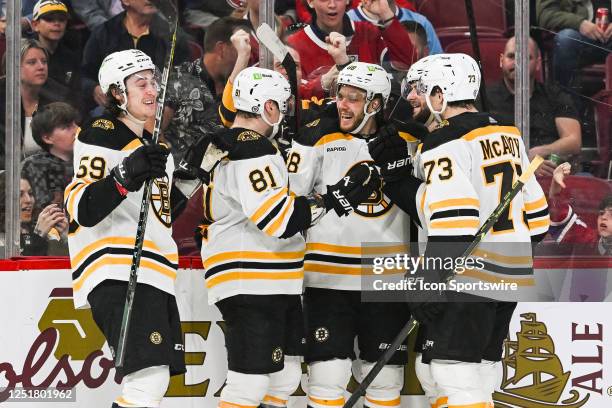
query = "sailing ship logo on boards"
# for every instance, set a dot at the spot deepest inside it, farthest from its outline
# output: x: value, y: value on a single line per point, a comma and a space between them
x: 533, y: 376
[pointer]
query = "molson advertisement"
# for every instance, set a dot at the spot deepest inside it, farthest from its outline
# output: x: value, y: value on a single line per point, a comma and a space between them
x: 557, y: 354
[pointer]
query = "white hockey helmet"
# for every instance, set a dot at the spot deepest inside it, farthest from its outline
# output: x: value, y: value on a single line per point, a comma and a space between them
x: 414, y: 74
x: 371, y: 78
x: 254, y: 86
x: 457, y: 75
x: 119, y: 65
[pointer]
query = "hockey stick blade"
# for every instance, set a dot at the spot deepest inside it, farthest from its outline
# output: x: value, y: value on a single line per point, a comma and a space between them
x: 267, y: 36
x: 170, y: 8
x: 412, y: 323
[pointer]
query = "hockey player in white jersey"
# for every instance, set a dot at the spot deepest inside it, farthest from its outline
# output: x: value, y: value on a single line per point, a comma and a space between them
x: 253, y: 252
x: 324, y: 150
x: 113, y: 157
x: 467, y: 165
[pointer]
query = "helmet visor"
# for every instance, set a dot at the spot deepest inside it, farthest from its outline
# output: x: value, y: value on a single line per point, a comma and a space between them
x: 406, y: 88
x: 145, y: 79
x: 420, y: 87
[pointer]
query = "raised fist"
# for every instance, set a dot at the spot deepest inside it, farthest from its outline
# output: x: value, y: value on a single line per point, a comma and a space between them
x: 336, y: 48
x: 241, y: 40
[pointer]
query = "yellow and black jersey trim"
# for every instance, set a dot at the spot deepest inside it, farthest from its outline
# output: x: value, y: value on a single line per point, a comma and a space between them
x: 345, y: 260
x: 320, y: 131
x: 115, y: 137
x: 510, y: 268
x: 455, y: 213
x: 467, y: 126
x: 227, y: 111
x: 119, y: 251
x: 536, y: 213
x: 537, y: 218
x: 273, y: 212
x: 247, y: 144
x: 253, y: 265
x: 411, y: 131
x: 72, y: 191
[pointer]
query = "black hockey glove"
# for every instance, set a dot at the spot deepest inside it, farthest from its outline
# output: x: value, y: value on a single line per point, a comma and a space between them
x: 354, y: 188
x: 390, y: 151
x: 201, y: 158
x: 145, y: 163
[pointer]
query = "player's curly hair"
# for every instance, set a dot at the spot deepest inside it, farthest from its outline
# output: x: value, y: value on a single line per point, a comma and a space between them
x: 112, y: 103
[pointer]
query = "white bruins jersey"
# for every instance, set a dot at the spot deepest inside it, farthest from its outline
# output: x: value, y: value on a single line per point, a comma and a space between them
x: 467, y: 167
x: 339, y: 249
x: 250, y: 205
x: 104, y: 250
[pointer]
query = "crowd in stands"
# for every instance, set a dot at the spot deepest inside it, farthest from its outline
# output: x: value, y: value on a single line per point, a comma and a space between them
x: 65, y: 41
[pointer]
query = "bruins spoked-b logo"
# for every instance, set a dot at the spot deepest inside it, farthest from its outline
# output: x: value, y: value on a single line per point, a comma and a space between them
x: 321, y: 334
x: 156, y: 338
x: 277, y: 355
x: 377, y: 204
x: 160, y: 200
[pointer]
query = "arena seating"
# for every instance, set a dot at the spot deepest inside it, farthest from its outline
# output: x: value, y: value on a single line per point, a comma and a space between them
x: 449, y: 18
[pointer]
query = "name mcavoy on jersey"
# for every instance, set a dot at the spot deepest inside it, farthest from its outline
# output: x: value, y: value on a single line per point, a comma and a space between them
x: 496, y: 148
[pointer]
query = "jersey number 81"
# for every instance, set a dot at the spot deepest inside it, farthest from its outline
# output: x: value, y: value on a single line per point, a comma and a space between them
x: 260, y: 180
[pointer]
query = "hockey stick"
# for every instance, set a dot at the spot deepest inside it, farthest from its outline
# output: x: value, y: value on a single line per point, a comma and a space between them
x: 267, y: 36
x: 413, y: 323
x: 168, y: 9
x: 469, y: 8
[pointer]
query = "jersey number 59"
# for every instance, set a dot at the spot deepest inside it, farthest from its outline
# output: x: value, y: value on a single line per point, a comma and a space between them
x: 92, y: 167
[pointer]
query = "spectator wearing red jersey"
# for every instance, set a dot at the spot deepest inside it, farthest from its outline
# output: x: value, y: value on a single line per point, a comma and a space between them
x: 365, y: 42
x: 305, y: 16
x: 576, y: 238
x: 566, y: 227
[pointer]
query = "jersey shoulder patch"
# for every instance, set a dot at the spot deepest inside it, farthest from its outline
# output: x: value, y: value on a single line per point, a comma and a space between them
x: 247, y: 144
x: 110, y: 133
x: 316, y: 131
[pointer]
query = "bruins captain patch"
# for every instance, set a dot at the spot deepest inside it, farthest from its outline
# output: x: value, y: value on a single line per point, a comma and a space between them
x: 248, y: 135
x: 160, y: 200
x: 104, y: 124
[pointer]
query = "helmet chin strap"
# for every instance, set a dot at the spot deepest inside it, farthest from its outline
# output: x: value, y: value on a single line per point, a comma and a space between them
x: 435, y: 112
x: 366, y: 116
x: 275, y: 126
x: 139, y: 122
x: 125, y: 110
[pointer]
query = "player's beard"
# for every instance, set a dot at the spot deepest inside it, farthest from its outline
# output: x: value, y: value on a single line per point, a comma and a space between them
x: 423, y: 115
x: 355, y: 122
